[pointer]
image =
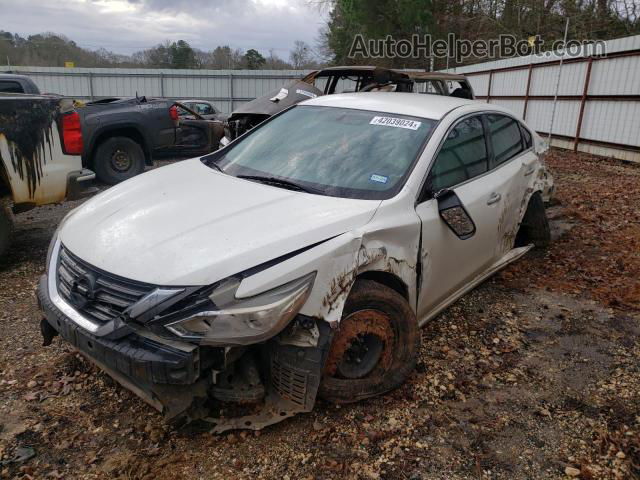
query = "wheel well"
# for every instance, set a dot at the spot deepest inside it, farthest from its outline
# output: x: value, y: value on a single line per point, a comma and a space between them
x: 128, y: 132
x: 388, y: 280
x: 528, y: 231
x: 5, y: 188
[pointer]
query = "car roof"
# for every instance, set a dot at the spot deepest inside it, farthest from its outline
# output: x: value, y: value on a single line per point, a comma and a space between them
x: 13, y: 76
x: 418, y: 105
x: 435, y: 76
x: 192, y: 100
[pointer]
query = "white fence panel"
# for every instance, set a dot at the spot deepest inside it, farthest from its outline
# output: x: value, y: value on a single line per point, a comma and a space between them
x: 604, y: 119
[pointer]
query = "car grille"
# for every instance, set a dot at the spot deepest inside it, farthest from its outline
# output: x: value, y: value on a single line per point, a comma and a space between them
x: 97, y: 295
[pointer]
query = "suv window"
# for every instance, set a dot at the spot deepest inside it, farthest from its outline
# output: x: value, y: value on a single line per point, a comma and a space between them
x: 463, y: 155
x: 506, y: 137
x: 8, y: 86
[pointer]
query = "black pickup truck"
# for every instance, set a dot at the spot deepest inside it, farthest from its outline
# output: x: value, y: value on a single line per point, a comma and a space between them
x: 123, y: 135
x: 10, y: 83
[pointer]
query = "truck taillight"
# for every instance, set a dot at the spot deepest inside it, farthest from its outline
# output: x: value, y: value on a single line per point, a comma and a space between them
x: 72, y: 133
x: 173, y: 113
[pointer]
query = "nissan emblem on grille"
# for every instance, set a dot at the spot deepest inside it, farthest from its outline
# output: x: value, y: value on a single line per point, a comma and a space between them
x: 97, y: 295
x: 83, y: 290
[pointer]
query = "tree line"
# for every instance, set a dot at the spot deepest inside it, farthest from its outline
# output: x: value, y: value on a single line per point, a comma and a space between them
x: 471, y: 20
x: 373, y: 19
x: 53, y: 50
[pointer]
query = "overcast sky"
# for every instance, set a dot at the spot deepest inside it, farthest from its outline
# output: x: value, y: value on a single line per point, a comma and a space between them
x: 125, y: 26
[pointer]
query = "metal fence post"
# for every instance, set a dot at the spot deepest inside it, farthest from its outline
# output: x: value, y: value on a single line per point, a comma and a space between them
x: 526, y: 96
x: 583, y: 100
x: 230, y: 92
x: 162, y: 84
x: 90, y: 76
x: 489, y: 87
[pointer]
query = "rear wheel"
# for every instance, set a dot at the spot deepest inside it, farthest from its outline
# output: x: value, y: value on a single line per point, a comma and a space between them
x: 6, y: 225
x: 376, y: 346
x: 117, y: 159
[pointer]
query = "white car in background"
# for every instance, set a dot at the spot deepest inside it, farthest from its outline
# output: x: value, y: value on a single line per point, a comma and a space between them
x: 299, y: 260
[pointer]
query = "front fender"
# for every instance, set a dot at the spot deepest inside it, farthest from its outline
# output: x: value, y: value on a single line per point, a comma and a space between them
x: 340, y: 260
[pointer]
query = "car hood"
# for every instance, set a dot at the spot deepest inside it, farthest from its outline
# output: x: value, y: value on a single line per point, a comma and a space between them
x: 187, y: 224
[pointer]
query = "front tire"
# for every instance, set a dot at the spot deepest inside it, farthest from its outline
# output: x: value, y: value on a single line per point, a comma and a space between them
x: 118, y: 159
x: 375, y: 348
x: 6, y: 225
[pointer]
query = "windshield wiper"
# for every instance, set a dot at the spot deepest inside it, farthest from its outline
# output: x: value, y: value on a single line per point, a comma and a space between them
x: 279, y: 182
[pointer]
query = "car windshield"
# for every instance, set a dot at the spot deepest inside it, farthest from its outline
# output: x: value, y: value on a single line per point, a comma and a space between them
x: 332, y: 151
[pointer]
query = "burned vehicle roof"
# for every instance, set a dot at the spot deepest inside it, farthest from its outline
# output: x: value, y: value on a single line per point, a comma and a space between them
x: 254, y: 112
x: 280, y: 99
x: 435, y: 76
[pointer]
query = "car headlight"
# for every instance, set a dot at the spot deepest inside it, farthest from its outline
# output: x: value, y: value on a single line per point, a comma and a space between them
x: 245, y: 321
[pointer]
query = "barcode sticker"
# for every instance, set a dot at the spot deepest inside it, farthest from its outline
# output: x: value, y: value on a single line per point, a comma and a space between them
x: 395, y: 122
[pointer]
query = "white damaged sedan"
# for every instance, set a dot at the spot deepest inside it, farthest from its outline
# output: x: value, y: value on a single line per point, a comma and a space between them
x: 301, y: 259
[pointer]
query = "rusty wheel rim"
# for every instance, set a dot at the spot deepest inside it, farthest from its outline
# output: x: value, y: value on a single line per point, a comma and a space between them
x: 362, y: 347
x: 120, y: 161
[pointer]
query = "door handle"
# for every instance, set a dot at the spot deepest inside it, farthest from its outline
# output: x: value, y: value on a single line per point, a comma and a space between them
x: 530, y: 169
x: 494, y: 198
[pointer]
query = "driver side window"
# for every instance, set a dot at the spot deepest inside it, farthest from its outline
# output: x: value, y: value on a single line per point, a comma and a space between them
x: 463, y: 155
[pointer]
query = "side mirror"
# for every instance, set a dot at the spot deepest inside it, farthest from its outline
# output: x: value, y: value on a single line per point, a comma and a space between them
x: 454, y: 214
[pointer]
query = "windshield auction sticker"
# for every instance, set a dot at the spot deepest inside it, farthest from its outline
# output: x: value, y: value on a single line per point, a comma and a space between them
x: 395, y: 122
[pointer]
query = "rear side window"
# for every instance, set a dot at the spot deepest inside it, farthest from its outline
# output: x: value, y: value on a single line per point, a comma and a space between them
x: 463, y: 155
x: 506, y: 137
x: 7, y: 86
x: 526, y: 137
x: 204, y: 109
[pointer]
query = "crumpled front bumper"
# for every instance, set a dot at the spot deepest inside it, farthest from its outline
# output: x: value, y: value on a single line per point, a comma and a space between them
x: 163, y: 376
x: 176, y: 381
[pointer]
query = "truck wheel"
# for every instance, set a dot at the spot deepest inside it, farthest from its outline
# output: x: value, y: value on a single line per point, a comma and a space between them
x: 375, y: 348
x: 6, y: 225
x: 117, y: 159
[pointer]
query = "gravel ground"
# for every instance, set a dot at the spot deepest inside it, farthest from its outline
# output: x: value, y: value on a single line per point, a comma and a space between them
x: 534, y: 374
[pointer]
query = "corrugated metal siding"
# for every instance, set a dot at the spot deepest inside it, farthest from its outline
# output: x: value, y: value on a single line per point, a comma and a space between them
x: 616, y: 76
x: 216, y: 85
x: 480, y: 84
x: 566, y: 120
x: 516, y: 106
x: 613, y: 121
x: 545, y: 79
x: 514, y: 81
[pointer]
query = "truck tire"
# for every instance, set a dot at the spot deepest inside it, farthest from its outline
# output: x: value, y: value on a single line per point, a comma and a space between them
x: 6, y: 226
x: 118, y: 159
x: 375, y: 348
